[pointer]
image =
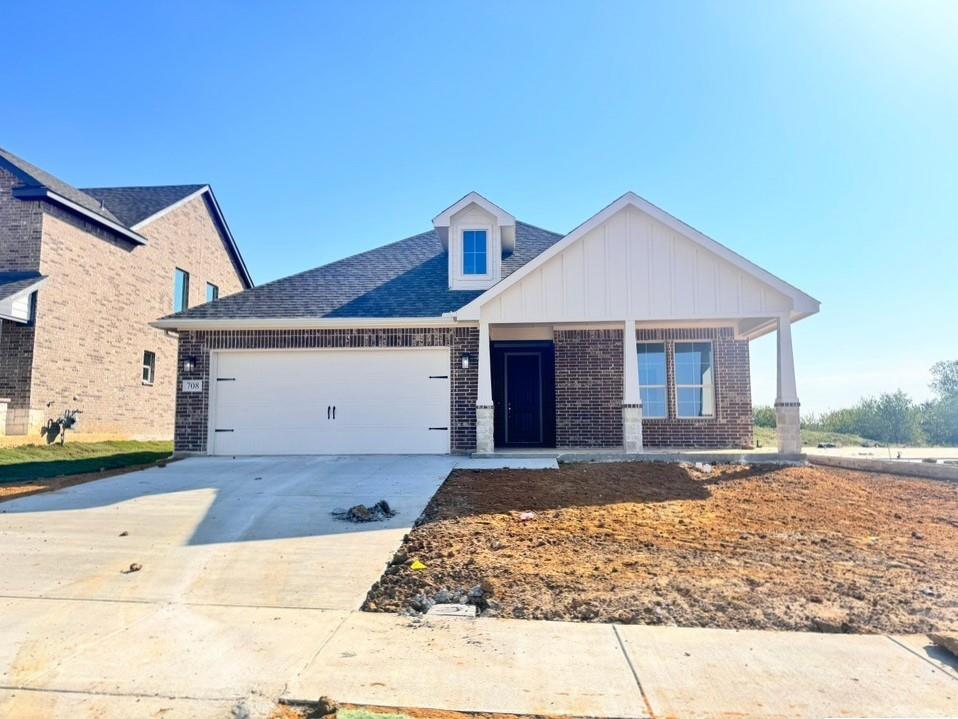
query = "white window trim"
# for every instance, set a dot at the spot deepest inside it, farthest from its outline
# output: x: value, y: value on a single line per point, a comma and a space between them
x: 665, y: 386
x: 676, y: 385
x: 152, y: 380
x: 487, y: 275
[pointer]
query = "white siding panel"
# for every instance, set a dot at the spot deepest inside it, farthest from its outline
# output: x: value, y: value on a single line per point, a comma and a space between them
x: 573, y: 273
x: 617, y: 267
x: 661, y: 272
x: 683, y: 290
x: 595, y: 274
x: 634, y: 266
x: 553, y: 285
x: 532, y: 295
x: 706, y: 272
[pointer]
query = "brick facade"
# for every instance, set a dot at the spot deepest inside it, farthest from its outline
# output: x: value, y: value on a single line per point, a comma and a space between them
x: 192, y: 411
x: 588, y: 367
x: 732, y: 424
x: 93, y: 314
x: 589, y: 391
x: 588, y: 388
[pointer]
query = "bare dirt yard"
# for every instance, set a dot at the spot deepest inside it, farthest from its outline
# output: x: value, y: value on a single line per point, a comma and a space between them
x: 761, y: 547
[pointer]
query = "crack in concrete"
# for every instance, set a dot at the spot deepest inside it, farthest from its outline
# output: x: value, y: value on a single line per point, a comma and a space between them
x: 635, y: 674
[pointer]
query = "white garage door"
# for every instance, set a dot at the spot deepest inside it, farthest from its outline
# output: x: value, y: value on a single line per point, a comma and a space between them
x: 364, y: 401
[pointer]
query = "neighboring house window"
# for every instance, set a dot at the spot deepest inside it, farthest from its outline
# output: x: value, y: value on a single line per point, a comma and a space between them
x: 694, y: 379
x: 181, y: 290
x: 474, y: 252
x: 149, y: 367
x: 212, y: 292
x: 652, y: 379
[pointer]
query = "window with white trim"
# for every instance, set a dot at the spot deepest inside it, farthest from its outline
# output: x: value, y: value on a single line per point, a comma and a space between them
x: 694, y: 379
x: 652, y: 379
x: 149, y: 367
x: 474, y: 252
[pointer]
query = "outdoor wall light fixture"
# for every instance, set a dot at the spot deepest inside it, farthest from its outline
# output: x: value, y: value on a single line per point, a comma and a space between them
x: 465, y: 360
x: 189, y: 364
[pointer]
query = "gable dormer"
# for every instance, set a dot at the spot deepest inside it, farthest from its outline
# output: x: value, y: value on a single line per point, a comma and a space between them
x: 477, y: 235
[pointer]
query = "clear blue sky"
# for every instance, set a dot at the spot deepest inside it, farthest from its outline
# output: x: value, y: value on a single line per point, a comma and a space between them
x: 818, y: 139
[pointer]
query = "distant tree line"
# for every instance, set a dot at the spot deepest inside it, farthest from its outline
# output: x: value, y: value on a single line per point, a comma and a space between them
x: 892, y: 417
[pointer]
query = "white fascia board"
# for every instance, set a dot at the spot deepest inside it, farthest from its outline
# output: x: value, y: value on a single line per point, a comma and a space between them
x: 503, y: 218
x: 277, y: 323
x: 802, y: 302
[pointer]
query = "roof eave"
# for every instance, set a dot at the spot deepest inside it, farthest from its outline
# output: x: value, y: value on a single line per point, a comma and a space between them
x: 45, y: 193
x: 250, y: 323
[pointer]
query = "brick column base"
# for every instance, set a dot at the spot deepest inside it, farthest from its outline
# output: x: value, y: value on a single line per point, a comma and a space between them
x: 485, y: 428
x: 632, y: 428
x: 788, y: 428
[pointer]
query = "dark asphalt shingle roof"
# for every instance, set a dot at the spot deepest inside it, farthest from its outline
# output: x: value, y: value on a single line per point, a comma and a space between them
x: 131, y: 205
x: 408, y: 278
x: 32, y: 176
x: 13, y: 282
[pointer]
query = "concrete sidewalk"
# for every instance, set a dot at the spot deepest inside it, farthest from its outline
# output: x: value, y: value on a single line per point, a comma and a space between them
x: 603, y: 670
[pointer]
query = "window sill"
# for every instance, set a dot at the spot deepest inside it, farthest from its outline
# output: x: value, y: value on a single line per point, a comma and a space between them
x: 146, y: 384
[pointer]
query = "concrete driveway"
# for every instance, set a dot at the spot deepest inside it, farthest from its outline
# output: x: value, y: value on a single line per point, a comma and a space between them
x: 244, y: 576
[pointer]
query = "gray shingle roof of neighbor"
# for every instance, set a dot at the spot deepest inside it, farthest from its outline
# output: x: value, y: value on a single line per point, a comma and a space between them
x: 13, y: 282
x: 408, y: 278
x: 32, y: 176
x: 131, y: 205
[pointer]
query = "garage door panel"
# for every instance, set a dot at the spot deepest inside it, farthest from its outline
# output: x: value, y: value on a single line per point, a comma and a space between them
x: 279, y: 402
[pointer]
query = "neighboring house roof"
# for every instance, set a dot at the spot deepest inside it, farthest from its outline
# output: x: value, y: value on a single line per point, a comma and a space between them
x: 408, y: 278
x: 121, y: 209
x: 14, y: 283
x: 32, y: 176
x: 15, y: 290
x: 132, y: 205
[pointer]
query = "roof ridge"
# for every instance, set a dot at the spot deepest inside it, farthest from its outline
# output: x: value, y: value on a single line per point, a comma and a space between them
x: 145, y: 187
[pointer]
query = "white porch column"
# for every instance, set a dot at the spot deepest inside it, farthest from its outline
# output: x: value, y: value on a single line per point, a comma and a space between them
x: 788, y: 431
x: 631, y: 397
x: 485, y: 441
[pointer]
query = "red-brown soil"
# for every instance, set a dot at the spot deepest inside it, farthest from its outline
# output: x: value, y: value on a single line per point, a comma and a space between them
x: 800, y: 548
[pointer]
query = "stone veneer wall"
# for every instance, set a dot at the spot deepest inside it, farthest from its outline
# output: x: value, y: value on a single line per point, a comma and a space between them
x: 588, y: 388
x: 732, y: 424
x: 192, y: 409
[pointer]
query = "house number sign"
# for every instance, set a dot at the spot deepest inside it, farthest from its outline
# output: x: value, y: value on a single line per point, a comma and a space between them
x: 192, y: 385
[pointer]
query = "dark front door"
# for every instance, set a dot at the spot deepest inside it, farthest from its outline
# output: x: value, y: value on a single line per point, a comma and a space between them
x: 523, y: 390
x: 523, y: 398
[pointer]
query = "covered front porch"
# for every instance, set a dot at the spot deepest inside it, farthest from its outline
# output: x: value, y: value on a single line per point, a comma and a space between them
x: 675, y: 390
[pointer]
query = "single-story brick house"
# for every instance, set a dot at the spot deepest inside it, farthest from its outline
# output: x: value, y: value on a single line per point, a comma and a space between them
x: 486, y: 332
x: 83, y: 272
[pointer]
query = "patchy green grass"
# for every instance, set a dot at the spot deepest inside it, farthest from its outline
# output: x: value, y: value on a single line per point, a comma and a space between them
x: 35, y: 461
x: 765, y: 437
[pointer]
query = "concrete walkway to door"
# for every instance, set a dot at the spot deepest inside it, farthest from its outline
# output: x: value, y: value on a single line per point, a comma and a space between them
x: 249, y: 591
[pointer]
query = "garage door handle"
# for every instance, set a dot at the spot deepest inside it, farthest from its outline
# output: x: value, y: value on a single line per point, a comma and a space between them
x: 328, y: 409
x: 334, y: 411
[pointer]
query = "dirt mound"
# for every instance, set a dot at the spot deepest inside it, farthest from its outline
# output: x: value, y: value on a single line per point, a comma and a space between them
x: 801, y: 548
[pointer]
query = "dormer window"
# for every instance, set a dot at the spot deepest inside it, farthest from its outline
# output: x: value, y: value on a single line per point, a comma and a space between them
x: 477, y: 236
x: 474, y: 252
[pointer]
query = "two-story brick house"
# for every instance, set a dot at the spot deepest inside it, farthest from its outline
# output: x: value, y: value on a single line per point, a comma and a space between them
x: 82, y: 273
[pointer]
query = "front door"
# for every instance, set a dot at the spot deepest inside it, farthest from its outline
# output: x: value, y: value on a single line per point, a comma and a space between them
x: 523, y: 398
x: 523, y: 391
